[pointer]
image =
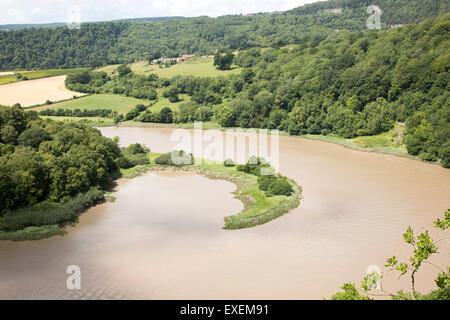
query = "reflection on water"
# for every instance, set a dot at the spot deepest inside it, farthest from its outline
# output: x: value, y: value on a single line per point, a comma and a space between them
x: 162, y: 238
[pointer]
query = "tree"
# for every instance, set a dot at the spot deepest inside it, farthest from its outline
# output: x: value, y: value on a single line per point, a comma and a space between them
x: 423, y: 247
x: 33, y: 137
x: 172, y: 94
x: 166, y: 115
x: 123, y: 70
x: 137, y: 148
x: 8, y: 134
x: 226, y: 117
x: 223, y: 62
x: 279, y: 186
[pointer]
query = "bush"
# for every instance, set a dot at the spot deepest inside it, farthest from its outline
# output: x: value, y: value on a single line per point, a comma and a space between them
x: 136, y: 148
x: 253, y: 166
x: 183, y: 158
x: 229, y: 163
x: 425, y: 156
x: 265, y: 181
x: 166, y: 115
x: 130, y: 115
x: 124, y: 163
x: 33, y: 137
x: 279, y: 187
x: 65, y: 213
x: 138, y: 159
x: 123, y: 70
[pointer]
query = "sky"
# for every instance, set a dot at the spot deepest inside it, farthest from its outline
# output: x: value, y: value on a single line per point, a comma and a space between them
x: 46, y: 11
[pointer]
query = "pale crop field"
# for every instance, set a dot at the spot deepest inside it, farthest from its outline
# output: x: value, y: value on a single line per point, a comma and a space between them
x: 34, y: 92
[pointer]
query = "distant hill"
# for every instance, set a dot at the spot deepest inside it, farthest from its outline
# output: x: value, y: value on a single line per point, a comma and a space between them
x: 13, y: 27
x: 355, y: 11
x: 135, y: 39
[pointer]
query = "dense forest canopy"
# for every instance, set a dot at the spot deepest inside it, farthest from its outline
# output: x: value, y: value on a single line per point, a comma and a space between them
x: 97, y: 43
x: 52, y: 161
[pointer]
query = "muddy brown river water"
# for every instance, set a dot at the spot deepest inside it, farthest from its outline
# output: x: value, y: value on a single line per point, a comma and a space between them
x: 162, y: 238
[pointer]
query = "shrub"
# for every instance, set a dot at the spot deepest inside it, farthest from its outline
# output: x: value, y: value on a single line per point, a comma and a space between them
x: 229, y: 163
x: 182, y: 158
x: 124, y: 163
x: 123, y: 70
x: 265, y: 181
x: 166, y: 115
x: 280, y: 187
x: 65, y: 213
x: 130, y: 115
x: 425, y: 156
x: 138, y: 159
x: 136, y: 148
x: 253, y: 166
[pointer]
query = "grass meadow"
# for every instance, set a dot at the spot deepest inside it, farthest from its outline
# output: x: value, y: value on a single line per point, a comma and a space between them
x: 115, y: 102
x: 200, y: 67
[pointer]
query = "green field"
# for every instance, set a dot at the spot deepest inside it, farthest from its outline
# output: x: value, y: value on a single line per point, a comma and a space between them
x: 200, y: 67
x: 164, y: 102
x: 115, y: 102
x: 37, y: 74
x: 392, y: 138
x: 387, y: 142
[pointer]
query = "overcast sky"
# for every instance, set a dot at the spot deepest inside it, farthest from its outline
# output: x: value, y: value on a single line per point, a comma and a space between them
x: 44, y: 11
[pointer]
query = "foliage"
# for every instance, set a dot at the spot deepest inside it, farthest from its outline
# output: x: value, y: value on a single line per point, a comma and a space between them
x: 32, y: 233
x: 36, y: 74
x: 229, y: 163
x: 223, y: 62
x: 60, y: 112
x: 123, y: 70
x: 350, y: 84
x: 133, y: 155
x: 51, y: 171
x: 175, y: 158
x: 423, y: 247
x: 280, y: 186
x: 65, y: 213
x: 114, y: 102
x: 119, y: 42
x: 350, y: 293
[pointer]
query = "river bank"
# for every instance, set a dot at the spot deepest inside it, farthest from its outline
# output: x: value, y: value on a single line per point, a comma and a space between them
x: 399, y: 151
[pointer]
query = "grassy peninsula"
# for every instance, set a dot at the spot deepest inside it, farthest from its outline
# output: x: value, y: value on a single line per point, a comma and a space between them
x: 259, y: 207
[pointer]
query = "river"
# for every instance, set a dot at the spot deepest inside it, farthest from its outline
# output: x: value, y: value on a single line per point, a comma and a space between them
x: 162, y: 237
